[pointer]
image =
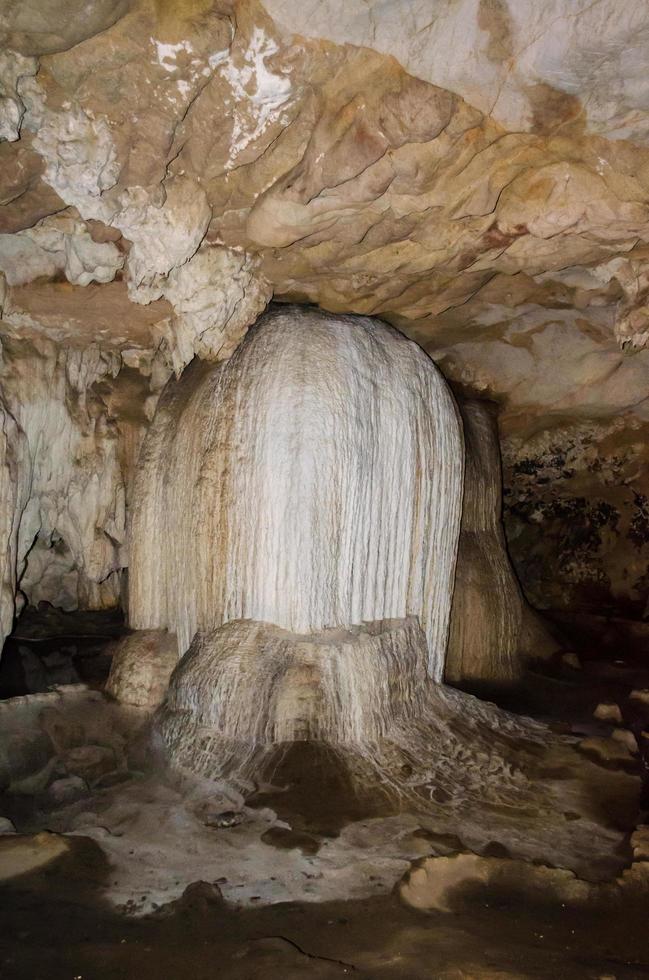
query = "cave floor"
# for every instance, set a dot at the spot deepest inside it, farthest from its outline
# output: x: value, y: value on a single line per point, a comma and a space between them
x: 54, y: 926
x: 63, y: 918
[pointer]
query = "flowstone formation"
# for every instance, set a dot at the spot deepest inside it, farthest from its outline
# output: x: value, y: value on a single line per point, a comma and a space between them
x: 476, y: 174
x: 297, y: 512
x: 494, y: 630
x: 314, y: 480
x: 249, y: 697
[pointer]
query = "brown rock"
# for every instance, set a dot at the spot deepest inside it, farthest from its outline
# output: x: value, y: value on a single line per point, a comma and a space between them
x: 90, y: 762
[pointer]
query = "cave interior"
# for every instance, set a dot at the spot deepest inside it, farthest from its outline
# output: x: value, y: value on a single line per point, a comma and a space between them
x: 324, y: 489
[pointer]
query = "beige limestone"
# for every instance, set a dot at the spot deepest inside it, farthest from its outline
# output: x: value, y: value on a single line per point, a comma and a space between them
x: 141, y: 667
x: 494, y: 207
x: 314, y: 480
x: 20, y: 854
x: 608, y: 711
x: 492, y: 628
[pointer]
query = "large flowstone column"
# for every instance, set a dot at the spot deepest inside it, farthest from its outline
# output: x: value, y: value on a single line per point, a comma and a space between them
x: 312, y: 481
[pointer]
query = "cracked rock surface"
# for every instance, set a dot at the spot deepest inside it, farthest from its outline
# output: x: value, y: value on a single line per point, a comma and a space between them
x: 476, y: 173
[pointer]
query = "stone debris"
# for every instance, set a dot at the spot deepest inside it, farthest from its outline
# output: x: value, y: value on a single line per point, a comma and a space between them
x: 6, y: 826
x: 608, y: 711
x: 607, y: 751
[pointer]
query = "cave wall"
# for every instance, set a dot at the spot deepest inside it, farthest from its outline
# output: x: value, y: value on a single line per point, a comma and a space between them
x: 477, y: 175
x: 576, y: 510
x: 65, y: 462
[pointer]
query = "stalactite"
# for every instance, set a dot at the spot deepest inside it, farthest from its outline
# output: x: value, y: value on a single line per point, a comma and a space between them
x: 14, y: 493
x: 61, y: 486
x: 312, y: 481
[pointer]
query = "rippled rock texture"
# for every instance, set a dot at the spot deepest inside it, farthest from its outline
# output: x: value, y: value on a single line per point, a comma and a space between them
x: 314, y: 480
x: 477, y: 174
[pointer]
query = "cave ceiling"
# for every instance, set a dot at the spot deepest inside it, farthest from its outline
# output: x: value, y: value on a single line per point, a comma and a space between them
x: 476, y: 172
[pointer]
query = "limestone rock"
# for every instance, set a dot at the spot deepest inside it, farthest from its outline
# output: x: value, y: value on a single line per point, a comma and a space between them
x: 63, y: 732
x: 626, y: 738
x: 526, y: 66
x: 608, y: 711
x: 58, y: 244
x: 479, y: 179
x: 640, y: 843
x: 20, y: 854
x: 141, y: 668
x: 65, y: 510
x: 247, y: 461
x: 399, y: 740
x: 215, y: 296
x: 22, y: 754
x: 13, y: 67
x: 450, y: 884
x: 63, y: 792
x: 6, y: 826
x: 488, y: 637
x: 376, y: 671
x: 607, y: 751
x: 38, y: 27
x: 89, y: 762
x: 575, y: 513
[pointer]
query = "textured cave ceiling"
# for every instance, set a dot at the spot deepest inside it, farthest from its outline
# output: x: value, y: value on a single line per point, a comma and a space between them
x: 474, y: 171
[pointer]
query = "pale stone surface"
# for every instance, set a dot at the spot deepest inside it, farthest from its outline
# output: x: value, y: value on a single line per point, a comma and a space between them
x: 13, y: 67
x: 447, y: 884
x: 75, y: 505
x: 44, y: 26
x: 153, y: 830
x: 627, y: 739
x: 63, y: 481
x: 215, y: 296
x: 59, y: 244
x: 141, y: 667
x: 608, y: 751
x: 19, y: 855
x: 425, y: 748
x: 492, y: 628
x: 349, y: 686
x: 494, y: 206
x: 608, y: 711
x: 507, y: 57
x: 292, y: 486
x: 640, y: 843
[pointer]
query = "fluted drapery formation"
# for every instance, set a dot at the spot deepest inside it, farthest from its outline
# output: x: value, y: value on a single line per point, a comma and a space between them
x: 492, y: 626
x: 312, y: 481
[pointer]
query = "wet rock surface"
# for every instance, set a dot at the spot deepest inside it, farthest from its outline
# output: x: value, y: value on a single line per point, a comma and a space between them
x: 141, y: 839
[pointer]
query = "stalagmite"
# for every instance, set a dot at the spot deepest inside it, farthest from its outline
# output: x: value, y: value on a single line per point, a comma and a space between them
x: 313, y: 481
x: 492, y: 626
x: 295, y: 522
x: 246, y: 692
